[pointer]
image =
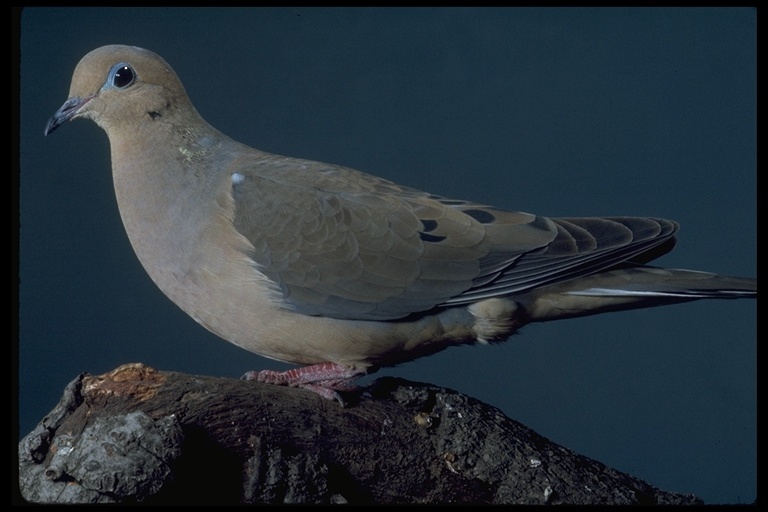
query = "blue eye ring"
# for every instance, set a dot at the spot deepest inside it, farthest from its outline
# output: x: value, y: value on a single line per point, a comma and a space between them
x: 121, y: 76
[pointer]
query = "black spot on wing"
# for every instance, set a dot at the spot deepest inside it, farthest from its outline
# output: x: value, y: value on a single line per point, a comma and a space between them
x: 451, y: 202
x: 428, y: 225
x: 430, y: 238
x: 481, y: 216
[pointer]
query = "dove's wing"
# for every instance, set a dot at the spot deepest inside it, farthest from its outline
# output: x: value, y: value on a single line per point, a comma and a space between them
x: 344, y: 244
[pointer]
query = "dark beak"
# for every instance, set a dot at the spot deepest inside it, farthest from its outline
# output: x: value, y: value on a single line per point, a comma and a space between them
x: 67, y: 111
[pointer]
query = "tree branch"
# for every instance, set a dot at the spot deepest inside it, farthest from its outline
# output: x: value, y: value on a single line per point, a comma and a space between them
x: 140, y: 435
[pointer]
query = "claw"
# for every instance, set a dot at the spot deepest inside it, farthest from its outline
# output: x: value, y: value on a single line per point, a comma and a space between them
x: 324, y: 379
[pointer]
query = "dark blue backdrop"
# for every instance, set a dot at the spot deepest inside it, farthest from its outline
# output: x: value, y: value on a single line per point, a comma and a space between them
x: 556, y: 111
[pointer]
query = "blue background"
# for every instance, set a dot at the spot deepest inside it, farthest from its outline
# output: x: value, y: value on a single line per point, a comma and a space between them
x: 561, y: 112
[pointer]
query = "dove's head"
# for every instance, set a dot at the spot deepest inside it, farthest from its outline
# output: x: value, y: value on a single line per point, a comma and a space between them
x: 119, y: 87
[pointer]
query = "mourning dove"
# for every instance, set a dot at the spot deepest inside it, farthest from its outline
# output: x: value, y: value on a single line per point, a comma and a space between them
x: 323, y: 265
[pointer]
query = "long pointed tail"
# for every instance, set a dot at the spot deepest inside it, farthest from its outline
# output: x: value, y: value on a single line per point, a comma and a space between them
x: 631, y: 288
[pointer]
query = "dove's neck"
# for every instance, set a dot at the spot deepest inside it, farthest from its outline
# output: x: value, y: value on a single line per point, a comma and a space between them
x: 172, y: 191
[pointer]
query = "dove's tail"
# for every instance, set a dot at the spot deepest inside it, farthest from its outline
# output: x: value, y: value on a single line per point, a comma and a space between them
x: 632, y: 288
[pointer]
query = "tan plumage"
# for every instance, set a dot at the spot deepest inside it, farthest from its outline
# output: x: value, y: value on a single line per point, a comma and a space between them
x: 313, y: 263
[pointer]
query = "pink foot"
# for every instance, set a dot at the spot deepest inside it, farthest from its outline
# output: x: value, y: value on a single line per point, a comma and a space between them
x: 325, y: 379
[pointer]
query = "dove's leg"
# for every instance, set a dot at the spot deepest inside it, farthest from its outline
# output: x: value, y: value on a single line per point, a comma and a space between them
x: 325, y: 379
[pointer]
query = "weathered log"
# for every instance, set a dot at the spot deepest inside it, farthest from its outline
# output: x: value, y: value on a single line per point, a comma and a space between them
x: 140, y: 435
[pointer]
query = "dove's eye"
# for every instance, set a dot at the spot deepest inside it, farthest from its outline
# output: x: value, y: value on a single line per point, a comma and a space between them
x: 121, y: 76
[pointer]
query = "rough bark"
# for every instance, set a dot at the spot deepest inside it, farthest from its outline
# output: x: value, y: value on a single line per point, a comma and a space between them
x: 140, y: 435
